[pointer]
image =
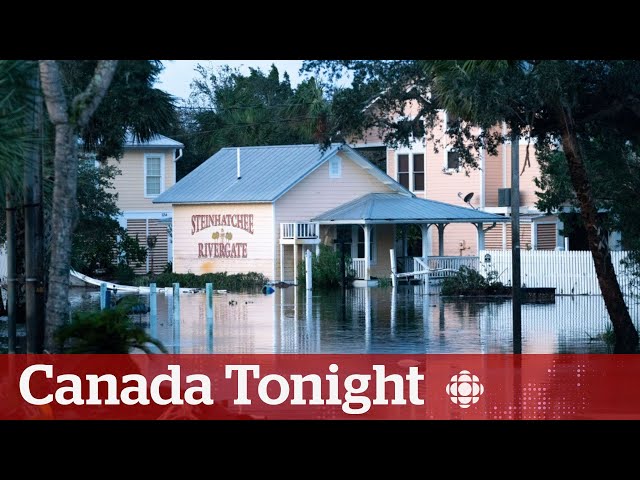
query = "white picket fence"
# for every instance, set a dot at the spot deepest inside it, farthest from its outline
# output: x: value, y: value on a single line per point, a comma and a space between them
x: 570, y: 273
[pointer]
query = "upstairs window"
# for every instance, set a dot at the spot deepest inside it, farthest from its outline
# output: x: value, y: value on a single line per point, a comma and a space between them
x: 418, y: 172
x: 453, y: 160
x: 403, y: 170
x: 153, y: 173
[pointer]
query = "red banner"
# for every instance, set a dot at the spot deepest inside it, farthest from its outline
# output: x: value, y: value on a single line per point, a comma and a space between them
x: 422, y: 387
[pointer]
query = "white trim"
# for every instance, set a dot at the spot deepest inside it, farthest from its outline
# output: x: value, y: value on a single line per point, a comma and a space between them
x: 175, y: 165
x: 338, y: 159
x: 483, y: 178
x: 142, y: 215
x: 162, y: 158
x: 506, y: 210
x: 276, y: 239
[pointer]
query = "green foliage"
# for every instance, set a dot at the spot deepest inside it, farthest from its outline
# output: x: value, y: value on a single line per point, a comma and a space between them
x: 325, y: 269
x: 15, y: 109
x: 468, y: 281
x: 107, y: 331
x: 220, y: 281
x: 384, y: 282
x: 99, y: 242
x: 227, y: 108
x: 130, y: 104
x: 614, y: 170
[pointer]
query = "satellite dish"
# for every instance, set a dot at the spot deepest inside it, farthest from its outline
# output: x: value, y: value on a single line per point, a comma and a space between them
x: 467, y: 198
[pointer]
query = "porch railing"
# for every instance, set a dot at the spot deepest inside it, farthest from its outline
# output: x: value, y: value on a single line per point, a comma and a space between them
x: 359, y: 267
x: 306, y: 230
x: 447, y: 266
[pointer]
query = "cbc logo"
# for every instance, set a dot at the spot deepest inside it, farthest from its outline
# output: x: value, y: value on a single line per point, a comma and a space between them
x: 465, y: 389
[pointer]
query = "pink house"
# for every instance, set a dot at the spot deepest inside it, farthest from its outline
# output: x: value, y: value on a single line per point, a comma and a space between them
x: 435, y: 174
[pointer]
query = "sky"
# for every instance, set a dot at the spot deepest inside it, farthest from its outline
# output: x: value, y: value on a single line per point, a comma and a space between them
x: 178, y: 74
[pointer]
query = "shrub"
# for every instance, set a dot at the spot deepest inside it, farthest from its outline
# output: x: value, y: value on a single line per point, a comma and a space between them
x: 106, y: 331
x: 468, y: 281
x: 220, y: 280
x: 325, y: 269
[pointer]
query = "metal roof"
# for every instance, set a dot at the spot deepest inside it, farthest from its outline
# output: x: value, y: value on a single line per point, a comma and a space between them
x: 156, y: 141
x: 397, y: 208
x: 266, y: 173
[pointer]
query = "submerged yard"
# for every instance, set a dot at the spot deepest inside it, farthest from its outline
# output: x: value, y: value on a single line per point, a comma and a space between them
x: 369, y: 320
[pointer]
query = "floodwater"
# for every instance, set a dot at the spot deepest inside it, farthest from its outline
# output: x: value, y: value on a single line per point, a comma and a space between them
x: 372, y: 320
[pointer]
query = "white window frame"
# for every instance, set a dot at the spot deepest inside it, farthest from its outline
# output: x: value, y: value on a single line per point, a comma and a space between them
x: 445, y: 165
x: 418, y: 148
x: 333, y: 161
x: 161, y: 156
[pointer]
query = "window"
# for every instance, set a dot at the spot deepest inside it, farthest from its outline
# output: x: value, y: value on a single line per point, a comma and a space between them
x: 335, y: 167
x: 418, y: 171
x: 403, y: 170
x: 153, y: 174
x: 372, y: 243
x: 453, y: 160
x: 451, y: 121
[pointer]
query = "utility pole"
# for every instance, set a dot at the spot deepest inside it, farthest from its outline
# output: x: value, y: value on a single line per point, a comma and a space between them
x: 33, y: 241
x: 515, y: 242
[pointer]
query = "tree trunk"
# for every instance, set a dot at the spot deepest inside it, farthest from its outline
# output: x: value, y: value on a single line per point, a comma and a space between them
x: 625, y: 332
x: 69, y: 118
x: 64, y: 196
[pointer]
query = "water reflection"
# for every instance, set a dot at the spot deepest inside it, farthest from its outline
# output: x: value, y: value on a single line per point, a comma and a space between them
x: 372, y: 320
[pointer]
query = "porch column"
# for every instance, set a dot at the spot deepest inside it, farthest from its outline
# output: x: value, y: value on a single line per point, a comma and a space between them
x: 441, y: 238
x: 480, y: 236
x: 281, y: 262
x: 404, y: 241
x: 534, y: 235
x: 295, y: 253
x: 424, y: 227
x: 317, y: 249
x: 367, y: 251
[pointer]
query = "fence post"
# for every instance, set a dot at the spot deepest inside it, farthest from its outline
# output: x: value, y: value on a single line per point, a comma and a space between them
x: 176, y: 317
x: 392, y: 255
x: 209, y: 315
x: 103, y: 296
x: 153, y: 310
x: 308, y: 266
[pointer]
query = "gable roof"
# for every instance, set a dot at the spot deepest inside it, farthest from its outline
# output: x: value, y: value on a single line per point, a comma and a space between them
x: 155, y: 141
x: 266, y: 173
x: 394, y: 208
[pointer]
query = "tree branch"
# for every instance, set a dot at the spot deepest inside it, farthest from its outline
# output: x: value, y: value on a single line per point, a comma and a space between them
x: 54, y: 96
x: 85, y: 103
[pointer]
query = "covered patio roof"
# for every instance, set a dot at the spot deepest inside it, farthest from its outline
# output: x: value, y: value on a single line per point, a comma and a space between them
x: 381, y: 208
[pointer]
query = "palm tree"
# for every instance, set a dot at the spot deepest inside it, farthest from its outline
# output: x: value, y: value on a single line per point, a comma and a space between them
x: 15, y: 142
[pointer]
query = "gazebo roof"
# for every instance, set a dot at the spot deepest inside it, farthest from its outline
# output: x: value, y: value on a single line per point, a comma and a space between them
x: 380, y: 208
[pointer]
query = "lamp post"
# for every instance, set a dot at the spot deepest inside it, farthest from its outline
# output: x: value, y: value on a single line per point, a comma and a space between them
x: 515, y: 243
